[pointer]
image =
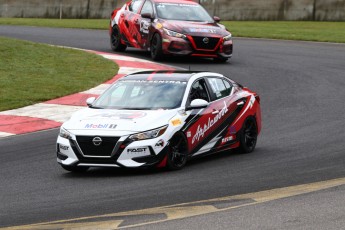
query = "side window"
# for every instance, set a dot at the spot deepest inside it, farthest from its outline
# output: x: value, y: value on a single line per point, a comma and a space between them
x: 198, y: 91
x: 228, y: 87
x: 147, y: 8
x: 135, y: 5
x: 220, y: 88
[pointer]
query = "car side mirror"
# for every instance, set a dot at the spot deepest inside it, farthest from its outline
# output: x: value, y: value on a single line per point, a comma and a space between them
x: 90, y: 100
x: 147, y: 15
x: 197, y: 104
x: 216, y: 19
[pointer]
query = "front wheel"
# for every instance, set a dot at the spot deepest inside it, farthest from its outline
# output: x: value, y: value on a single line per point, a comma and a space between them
x: 156, y: 48
x: 75, y: 169
x: 115, y: 40
x: 178, y: 152
x: 248, y: 135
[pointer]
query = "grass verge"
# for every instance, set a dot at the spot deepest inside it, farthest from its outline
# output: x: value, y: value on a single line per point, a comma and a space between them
x: 32, y: 73
x: 101, y: 24
x: 290, y: 30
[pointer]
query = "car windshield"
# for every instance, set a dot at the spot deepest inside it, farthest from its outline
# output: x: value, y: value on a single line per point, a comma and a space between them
x: 142, y: 95
x: 182, y: 12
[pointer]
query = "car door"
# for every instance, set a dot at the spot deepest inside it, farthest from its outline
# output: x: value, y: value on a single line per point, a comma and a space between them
x: 129, y: 23
x: 197, y: 126
x: 211, y: 128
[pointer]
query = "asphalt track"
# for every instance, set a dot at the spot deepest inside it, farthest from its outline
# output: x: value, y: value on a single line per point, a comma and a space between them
x: 302, y: 96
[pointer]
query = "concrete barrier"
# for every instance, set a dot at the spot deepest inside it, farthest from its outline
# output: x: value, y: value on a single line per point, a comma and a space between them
x: 322, y: 10
x: 57, y: 8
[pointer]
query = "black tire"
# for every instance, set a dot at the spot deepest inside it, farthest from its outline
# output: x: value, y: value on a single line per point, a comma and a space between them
x: 115, y: 40
x: 156, y: 48
x: 220, y: 59
x: 248, y: 135
x: 178, y: 152
x: 75, y: 169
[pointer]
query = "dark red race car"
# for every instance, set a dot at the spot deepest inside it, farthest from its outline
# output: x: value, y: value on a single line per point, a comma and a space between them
x: 169, y: 27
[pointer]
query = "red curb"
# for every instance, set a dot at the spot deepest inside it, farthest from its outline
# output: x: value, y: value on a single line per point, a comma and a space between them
x: 117, y: 77
x: 78, y: 99
x: 144, y: 65
x: 20, y: 125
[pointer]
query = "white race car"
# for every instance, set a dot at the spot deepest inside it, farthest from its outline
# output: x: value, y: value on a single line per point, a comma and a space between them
x: 160, y: 119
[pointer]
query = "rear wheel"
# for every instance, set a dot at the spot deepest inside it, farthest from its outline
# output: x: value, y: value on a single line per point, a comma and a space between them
x: 74, y: 168
x: 178, y: 152
x: 248, y: 135
x: 115, y: 40
x: 156, y: 48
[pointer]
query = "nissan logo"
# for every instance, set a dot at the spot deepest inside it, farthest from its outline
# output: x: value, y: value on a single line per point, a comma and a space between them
x: 206, y: 40
x: 97, y: 141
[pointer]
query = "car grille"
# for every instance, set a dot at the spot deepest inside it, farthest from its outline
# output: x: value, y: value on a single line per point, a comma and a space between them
x: 103, y: 150
x: 200, y: 44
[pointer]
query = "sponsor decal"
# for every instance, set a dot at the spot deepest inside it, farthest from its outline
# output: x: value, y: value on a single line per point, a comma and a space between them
x: 121, y: 115
x: 189, y: 134
x: 162, y: 5
x: 176, y: 122
x: 159, y: 144
x: 63, y: 147
x: 227, y: 139
x: 156, y: 81
x: 137, y: 150
x: 232, y: 130
x: 159, y: 26
x: 202, y: 30
x: 202, y: 129
x: 144, y: 26
x: 100, y: 126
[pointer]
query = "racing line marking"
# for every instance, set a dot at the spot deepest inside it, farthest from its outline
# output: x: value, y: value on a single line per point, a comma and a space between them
x: 148, y: 216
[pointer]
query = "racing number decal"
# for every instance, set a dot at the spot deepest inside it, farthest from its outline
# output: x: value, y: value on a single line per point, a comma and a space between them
x: 144, y: 26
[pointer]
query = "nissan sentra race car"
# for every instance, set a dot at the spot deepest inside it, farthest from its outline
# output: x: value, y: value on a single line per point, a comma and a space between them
x: 160, y: 119
x: 169, y: 27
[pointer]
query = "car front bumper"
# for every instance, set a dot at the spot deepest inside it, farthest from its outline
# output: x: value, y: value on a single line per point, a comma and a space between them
x: 195, y: 46
x: 124, y: 153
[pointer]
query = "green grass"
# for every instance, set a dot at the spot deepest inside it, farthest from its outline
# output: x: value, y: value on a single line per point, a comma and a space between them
x: 290, y: 30
x: 32, y: 73
x: 101, y: 24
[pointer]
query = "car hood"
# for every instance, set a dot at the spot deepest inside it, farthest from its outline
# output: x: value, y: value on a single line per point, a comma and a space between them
x: 196, y: 28
x: 118, y: 120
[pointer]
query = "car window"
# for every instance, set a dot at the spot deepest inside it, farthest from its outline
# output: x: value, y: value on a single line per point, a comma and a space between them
x: 143, y: 95
x: 135, y: 5
x: 199, y: 91
x: 147, y: 8
x: 182, y: 11
x: 220, y: 88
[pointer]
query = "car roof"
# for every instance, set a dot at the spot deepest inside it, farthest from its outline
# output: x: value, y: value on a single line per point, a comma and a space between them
x: 162, y: 75
x: 177, y: 1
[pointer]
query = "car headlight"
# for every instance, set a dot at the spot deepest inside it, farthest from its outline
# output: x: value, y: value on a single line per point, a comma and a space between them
x: 227, y: 38
x: 148, y: 134
x: 174, y: 34
x: 65, y: 134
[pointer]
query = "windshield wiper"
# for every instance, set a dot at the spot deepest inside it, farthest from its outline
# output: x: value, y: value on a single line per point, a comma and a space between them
x: 134, y: 108
x: 95, y: 107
